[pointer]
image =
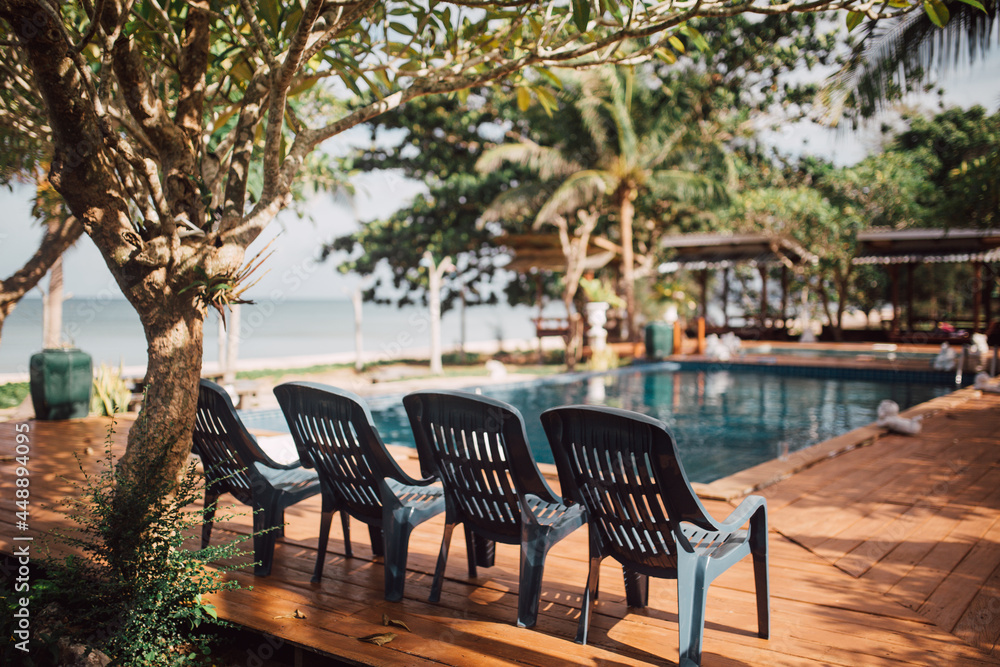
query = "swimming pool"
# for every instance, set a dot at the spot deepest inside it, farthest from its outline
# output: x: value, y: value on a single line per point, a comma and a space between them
x: 723, y: 420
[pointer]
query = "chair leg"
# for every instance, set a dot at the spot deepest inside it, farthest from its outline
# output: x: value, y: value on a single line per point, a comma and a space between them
x: 264, y: 537
x: 378, y: 541
x: 470, y: 551
x: 589, y: 598
x: 397, y: 528
x: 486, y: 551
x: 435, y: 595
x: 692, y: 592
x: 345, y: 523
x: 211, y: 501
x: 636, y: 588
x: 529, y: 590
x: 758, y: 550
x: 326, y: 518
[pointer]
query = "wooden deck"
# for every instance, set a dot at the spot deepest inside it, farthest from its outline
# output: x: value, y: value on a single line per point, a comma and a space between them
x: 886, y: 555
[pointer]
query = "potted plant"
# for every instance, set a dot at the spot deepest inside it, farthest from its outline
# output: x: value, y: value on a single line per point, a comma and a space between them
x: 600, y: 296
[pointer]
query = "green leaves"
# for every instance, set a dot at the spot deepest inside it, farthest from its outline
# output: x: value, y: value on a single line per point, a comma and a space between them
x: 854, y: 19
x: 523, y: 98
x: 974, y: 3
x: 581, y: 14
x: 937, y: 12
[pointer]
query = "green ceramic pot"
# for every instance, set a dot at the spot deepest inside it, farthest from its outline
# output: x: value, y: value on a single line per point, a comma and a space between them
x: 61, y: 381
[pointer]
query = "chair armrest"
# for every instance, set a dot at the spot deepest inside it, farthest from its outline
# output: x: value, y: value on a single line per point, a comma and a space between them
x: 743, y: 513
x: 403, y: 478
x: 261, y: 456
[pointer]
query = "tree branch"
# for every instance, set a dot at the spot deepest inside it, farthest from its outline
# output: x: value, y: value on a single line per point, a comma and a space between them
x: 251, y: 110
x: 258, y: 33
x: 192, y: 65
x: 54, y: 243
x: 280, y: 80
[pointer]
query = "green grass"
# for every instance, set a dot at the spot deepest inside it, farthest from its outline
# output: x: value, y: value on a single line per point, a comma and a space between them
x: 473, y: 367
x: 11, y: 394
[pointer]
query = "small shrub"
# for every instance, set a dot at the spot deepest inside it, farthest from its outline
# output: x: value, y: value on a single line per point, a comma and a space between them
x: 12, y: 394
x: 604, y: 360
x: 111, y: 392
x: 136, y: 593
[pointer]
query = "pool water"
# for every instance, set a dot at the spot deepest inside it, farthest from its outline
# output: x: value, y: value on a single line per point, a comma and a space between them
x: 723, y: 421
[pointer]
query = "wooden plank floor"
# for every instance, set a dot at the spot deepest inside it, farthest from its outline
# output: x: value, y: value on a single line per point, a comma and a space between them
x: 886, y: 555
x: 915, y: 518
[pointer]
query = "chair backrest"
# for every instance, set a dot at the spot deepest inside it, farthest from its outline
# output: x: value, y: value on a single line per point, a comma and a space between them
x: 334, y: 433
x: 479, y: 449
x: 623, y: 466
x: 223, y: 444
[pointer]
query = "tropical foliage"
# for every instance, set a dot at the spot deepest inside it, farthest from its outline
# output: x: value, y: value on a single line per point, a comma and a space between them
x: 178, y: 130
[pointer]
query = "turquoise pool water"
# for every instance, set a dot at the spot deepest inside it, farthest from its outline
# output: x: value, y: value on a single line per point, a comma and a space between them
x: 723, y: 420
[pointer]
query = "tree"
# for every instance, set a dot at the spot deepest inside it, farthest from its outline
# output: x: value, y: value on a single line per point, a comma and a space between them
x: 23, y: 158
x: 435, y: 140
x: 612, y: 162
x: 823, y: 208
x: 58, y: 236
x: 895, y: 56
x: 959, y: 149
x: 178, y: 129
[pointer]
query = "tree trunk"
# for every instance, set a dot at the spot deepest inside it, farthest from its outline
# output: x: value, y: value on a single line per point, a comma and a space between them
x: 52, y: 307
x: 160, y: 439
x: 232, y: 344
x: 838, y: 331
x: 626, y: 215
x: 436, y: 274
x: 359, y: 338
x: 825, y: 300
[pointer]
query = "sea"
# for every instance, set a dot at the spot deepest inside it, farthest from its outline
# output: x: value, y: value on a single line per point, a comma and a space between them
x: 299, y: 331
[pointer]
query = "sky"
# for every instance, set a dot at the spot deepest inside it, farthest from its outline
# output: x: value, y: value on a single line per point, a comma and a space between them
x: 293, y: 268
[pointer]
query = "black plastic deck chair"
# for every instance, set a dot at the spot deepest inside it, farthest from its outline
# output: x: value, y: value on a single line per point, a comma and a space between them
x: 478, y: 447
x: 623, y: 466
x: 334, y: 433
x: 234, y: 463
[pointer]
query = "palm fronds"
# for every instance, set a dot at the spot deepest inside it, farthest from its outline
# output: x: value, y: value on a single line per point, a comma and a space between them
x: 894, y: 54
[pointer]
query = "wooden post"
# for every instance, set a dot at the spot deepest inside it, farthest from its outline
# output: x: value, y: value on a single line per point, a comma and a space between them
x: 725, y: 297
x: 703, y: 281
x: 233, y: 344
x: 763, y: 294
x: 701, y: 335
x: 784, y: 297
x: 894, y: 279
x: 540, y: 299
x: 910, y: 269
x: 977, y: 292
x: 222, y: 341
x: 987, y: 293
x: 678, y: 337
x: 359, y: 364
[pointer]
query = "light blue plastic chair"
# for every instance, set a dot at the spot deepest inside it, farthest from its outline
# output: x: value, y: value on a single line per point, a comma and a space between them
x: 479, y: 449
x: 623, y: 466
x: 334, y: 433
x: 234, y: 463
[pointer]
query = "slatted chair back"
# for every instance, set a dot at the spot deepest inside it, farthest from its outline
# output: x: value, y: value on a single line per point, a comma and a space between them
x: 334, y: 433
x: 478, y: 447
x: 624, y: 467
x: 223, y: 444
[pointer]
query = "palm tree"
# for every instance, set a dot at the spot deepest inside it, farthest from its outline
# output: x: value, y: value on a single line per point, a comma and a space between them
x: 620, y: 162
x: 894, y: 54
